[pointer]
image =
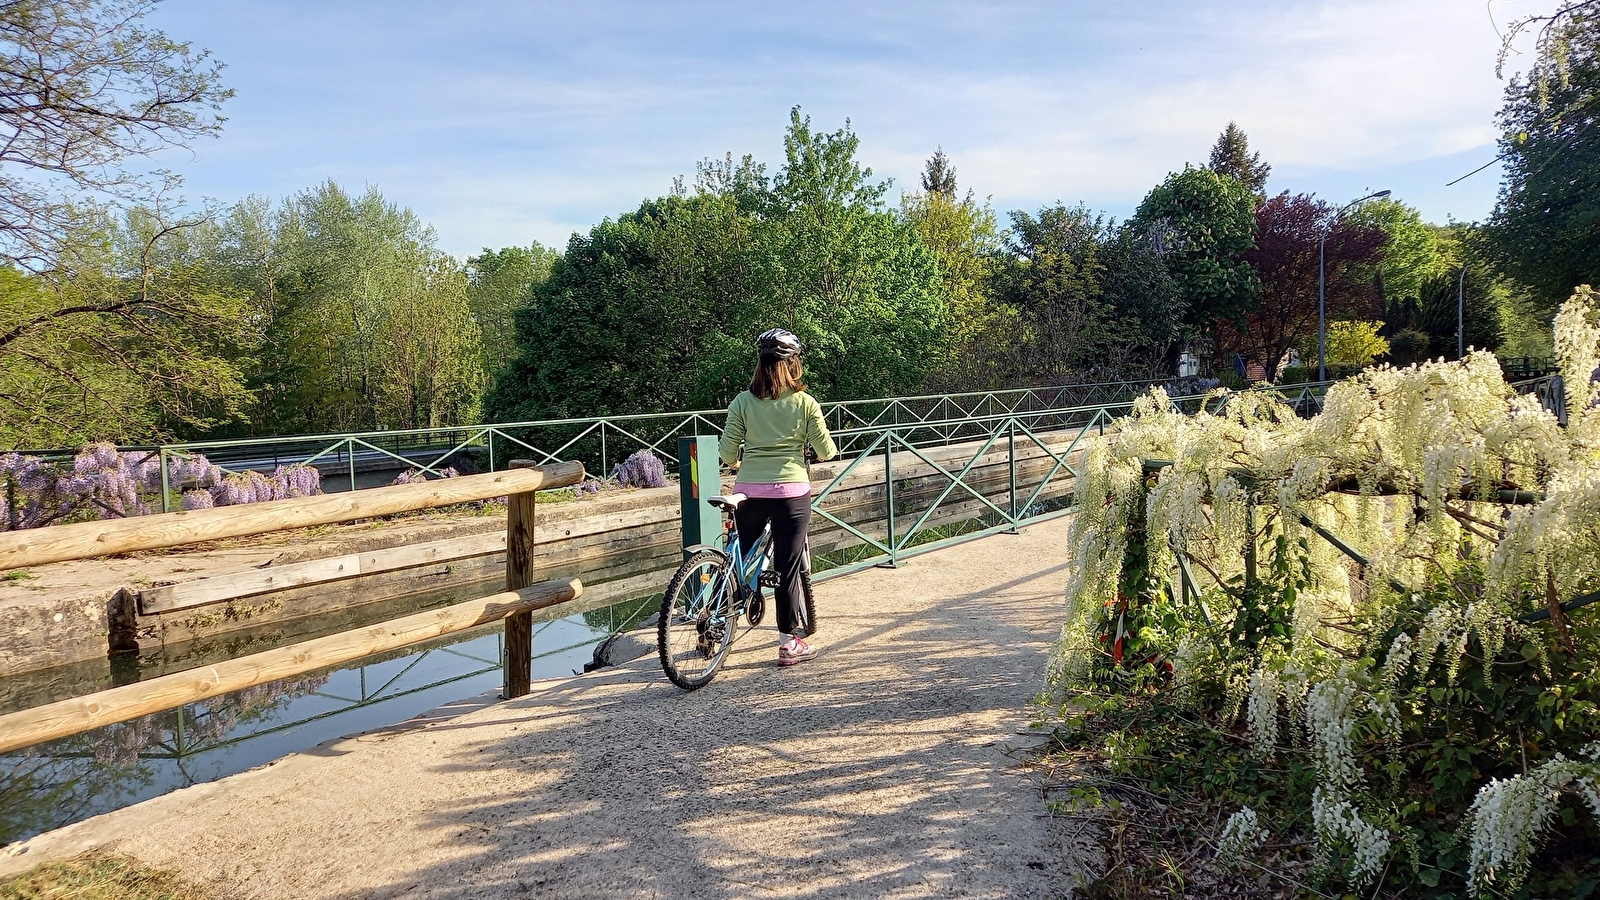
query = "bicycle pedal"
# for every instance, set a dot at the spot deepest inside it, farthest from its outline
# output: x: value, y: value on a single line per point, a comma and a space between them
x: 769, y: 579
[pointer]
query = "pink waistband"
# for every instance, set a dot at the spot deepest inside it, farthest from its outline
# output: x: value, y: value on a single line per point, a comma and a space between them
x: 783, y: 490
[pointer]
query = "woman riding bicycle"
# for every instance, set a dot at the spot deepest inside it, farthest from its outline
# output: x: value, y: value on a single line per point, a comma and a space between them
x: 773, y: 422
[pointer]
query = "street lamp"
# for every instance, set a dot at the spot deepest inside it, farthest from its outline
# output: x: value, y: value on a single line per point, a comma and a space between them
x: 1322, y: 320
x: 1461, y: 305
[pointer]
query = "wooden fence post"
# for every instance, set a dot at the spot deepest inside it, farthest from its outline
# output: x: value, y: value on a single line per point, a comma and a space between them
x: 519, y: 574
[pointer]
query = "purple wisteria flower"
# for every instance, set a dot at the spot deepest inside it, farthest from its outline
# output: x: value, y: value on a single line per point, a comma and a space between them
x: 198, y: 500
x: 642, y: 469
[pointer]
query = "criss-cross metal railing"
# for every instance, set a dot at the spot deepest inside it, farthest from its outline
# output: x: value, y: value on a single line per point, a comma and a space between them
x: 598, y: 441
x: 944, y: 481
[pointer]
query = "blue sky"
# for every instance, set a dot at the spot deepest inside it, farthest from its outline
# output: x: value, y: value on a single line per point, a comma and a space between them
x: 502, y: 123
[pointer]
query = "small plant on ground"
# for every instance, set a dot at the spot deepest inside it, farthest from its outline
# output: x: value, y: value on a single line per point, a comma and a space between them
x: 99, y: 877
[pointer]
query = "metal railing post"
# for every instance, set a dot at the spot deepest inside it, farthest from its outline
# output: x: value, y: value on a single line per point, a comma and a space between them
x: 166, y: 489
x: 604, y: 468
x: 893, y: 561
x: 1011, y: 455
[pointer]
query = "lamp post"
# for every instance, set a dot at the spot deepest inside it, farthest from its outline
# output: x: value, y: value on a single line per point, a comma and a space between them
x: 1322, y: 317
x: 1461, y: 331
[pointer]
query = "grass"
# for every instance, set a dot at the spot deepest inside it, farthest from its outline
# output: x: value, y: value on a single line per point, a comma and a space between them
x: 17, y: 575
x: 94, y: 876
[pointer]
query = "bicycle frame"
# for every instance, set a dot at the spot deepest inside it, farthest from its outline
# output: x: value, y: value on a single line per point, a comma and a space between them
x: 746, y: 570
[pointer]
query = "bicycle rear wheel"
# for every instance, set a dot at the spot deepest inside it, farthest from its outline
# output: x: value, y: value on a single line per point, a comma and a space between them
x: 810, y: 622
x: 697, y: 621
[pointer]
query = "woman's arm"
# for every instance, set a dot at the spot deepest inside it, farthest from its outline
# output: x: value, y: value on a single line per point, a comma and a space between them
x: 817, y: 433
x: 732, y: 435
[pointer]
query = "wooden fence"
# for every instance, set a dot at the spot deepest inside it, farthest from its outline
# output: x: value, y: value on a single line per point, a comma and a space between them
x: 92, y: 539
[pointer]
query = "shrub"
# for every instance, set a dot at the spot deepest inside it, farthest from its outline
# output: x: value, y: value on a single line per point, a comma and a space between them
x: 1403, y: 703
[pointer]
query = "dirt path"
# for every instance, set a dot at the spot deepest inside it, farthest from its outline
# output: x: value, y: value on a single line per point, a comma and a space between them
x: 878, y: 770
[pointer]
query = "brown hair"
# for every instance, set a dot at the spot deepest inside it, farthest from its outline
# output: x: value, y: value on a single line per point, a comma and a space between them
x: 773, y: 378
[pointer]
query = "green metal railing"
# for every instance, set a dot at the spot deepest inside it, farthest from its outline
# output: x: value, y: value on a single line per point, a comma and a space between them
x: 1043, y: 441
x: 598, y: 441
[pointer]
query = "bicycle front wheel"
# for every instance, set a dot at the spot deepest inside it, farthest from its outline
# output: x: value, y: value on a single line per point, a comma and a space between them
x: 695, y: 628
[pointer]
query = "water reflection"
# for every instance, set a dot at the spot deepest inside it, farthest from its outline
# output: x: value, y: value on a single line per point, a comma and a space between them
x: 65, y: 781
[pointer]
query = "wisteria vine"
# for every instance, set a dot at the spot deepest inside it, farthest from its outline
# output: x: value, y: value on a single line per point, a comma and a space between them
x: 102, y: 482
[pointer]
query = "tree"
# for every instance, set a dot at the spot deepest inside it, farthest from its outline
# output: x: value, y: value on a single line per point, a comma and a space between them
x: 983, y: 330
x: 1055, y: 278
x: 1145, y: 304
x: 659, y: 309
x: 1545, y: 229
x: 499, y: 282
x: 85, y: 86
x: 1285, y: 259
x: 1202, y: 224
x: 1231, y: 156
x: 939, y: 177
x: 860, y: 288
x: 364, y: 323
x: 1413, y: 252
x: 129, y: 337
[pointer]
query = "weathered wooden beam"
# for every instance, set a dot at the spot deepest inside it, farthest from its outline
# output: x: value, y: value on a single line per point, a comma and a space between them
x: 79, y: 714
x: 518, y: 668
x: 36, y: 546
x: 221, y: 588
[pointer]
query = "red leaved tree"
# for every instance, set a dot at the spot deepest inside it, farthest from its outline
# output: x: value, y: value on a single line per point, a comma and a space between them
x: 1285, y: 261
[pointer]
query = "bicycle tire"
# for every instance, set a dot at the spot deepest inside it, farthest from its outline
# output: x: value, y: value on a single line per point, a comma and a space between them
x: 687, y: 628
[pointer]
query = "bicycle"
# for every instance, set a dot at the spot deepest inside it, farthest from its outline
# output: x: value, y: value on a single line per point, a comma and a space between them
x: 704, y: 599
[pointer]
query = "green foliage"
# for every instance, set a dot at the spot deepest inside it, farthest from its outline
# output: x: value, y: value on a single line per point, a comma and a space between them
x: 1352, y: 344
x: 1231, y: 156
x: 1054, y: 276
x: 659, y: 309
x: 131, y: 338
x: 982, y: 330
x: 500, y: 282
x: 1545, y: 230
x: 1413, y: 252
x: 365, y: 323
x: 1203, y: 223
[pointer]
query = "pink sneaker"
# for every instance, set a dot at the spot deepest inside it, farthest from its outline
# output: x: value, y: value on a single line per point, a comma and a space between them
x: 799, y: 652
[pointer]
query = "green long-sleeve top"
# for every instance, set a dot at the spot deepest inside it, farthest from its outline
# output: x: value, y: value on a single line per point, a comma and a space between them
x: 774, y: 434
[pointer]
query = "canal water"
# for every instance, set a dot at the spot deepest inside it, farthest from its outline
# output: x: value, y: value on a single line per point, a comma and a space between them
x: 62, y: 782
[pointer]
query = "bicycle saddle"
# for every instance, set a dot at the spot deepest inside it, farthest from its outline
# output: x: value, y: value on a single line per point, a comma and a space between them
x: 730, y: 502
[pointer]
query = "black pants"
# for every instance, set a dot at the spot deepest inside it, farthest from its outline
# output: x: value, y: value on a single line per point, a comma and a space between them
x: 789, y: 518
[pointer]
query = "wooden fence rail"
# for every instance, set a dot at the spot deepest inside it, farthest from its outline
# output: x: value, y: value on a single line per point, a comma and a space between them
x: 85, y: 540
x: 90, y: 539
x: 79, y: 714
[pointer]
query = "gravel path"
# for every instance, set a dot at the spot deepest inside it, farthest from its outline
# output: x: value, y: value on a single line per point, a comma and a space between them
x: 883, y: 769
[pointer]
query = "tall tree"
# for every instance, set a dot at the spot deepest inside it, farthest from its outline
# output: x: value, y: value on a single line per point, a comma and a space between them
x: 659, y: 308
x: 1413, y: 251
x: 1545, y: 229
x: 500, y: 282
x: 939, y: 177
x: 1231, y: 156
x: 983, y: 330
x: 1286, y: 263
x: 1055, y: 277
x: 1202, y: 224
x: 365, y: 324
x: 85, y: 87
x: 859, y: 286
